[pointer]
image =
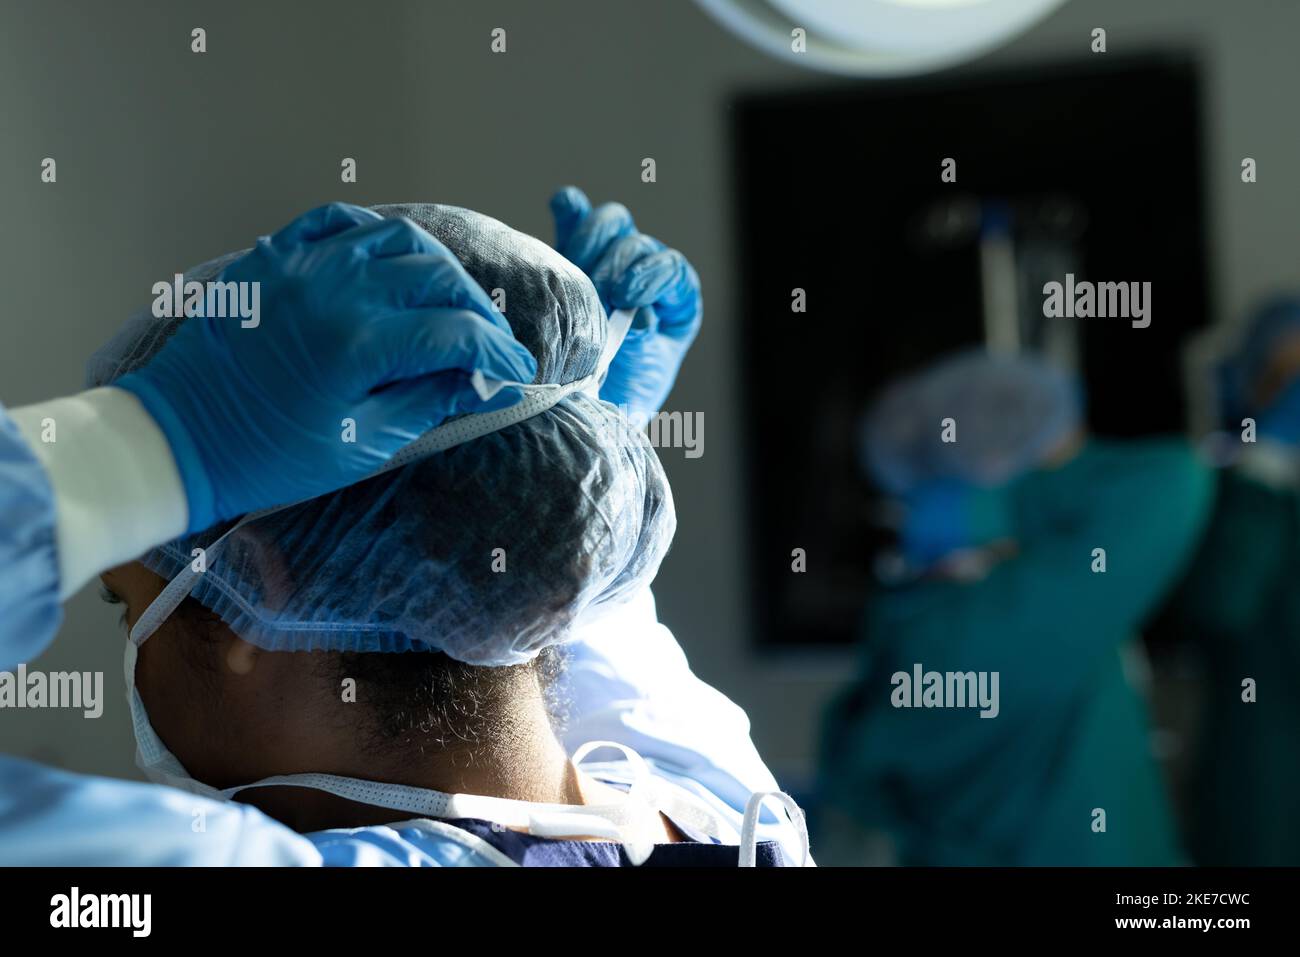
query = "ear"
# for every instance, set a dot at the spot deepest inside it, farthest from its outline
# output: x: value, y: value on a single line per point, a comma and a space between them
x: 241, y: 657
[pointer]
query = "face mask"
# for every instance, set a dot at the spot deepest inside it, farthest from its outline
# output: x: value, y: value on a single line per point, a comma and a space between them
x: 151, y: 756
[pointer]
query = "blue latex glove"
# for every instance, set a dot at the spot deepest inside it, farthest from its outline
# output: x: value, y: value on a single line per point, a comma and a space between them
x: 946, y: 516
x: 362, y: 317
x: 631, y: 270
x: 1281, y: 420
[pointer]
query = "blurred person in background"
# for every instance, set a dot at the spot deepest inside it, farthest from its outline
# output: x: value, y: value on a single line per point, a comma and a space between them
x: 1241, y: 606
x: 1031, y: 554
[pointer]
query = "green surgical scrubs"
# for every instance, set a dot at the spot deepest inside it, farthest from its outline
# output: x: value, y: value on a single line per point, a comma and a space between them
x: 1241, y: 605
x: 1064, y: 774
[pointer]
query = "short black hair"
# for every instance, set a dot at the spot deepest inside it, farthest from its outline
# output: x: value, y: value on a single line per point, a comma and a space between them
x: 430, y: 699
x: 423, y: 698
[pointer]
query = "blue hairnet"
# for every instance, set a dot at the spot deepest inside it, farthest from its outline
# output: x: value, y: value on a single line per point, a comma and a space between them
x: 1269, y: 324
x: 1008, y: 413
x: 489, y: 551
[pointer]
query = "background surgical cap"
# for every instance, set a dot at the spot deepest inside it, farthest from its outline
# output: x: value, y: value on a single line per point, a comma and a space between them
x: 1008, y: 411
x: 1266, y: 328
x: 489, y: 551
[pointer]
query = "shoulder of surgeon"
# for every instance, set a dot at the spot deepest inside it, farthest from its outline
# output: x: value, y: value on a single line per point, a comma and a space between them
x: 56, y: 818
x: 50, y: 817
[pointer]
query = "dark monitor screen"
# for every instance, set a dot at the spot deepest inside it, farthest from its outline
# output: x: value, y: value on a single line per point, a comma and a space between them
x: 1091, y: 169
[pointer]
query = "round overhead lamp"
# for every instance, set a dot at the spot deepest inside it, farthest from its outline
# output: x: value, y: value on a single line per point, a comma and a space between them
x: 878, y: 37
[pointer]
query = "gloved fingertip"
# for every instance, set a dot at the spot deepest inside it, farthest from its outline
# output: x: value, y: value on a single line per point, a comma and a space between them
x: 525, y: 361
x: 569, y: 206
x: 645, y: 285
x: 569, y: 200
x: 516, y: 364
x: 499, y: 354
x: 503, y: 399
x: 323, y: 222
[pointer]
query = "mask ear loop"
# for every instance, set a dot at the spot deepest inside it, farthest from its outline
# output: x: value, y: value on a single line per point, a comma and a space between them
x: 537, y: 399
x: 176, y: 590
x: 749, y: 827
x: 639, y: 843
x: 641, y: 777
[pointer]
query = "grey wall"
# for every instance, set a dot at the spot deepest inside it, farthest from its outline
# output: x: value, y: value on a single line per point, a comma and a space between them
x: 167, y: 158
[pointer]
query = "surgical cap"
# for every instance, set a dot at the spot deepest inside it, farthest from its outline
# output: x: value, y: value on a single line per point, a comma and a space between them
x: 489, y: 551
x: 1007, y: 413
x: 1268, y: 326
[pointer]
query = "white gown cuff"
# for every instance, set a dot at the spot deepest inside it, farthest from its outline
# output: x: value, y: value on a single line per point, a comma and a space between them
x: 117, y: 490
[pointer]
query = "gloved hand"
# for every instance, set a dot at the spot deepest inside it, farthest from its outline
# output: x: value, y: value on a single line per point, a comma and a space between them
x: 947, y: 516
x: 631, y: 270
x: 362, y: 318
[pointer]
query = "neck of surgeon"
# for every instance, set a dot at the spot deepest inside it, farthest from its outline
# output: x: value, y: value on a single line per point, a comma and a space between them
x: 523, y: 761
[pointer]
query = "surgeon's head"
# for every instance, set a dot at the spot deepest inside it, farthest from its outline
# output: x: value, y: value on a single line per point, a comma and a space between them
x: 402, y: 629
x: 234, y: 713
x: 947, y: 444
x: 1268, y: 359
